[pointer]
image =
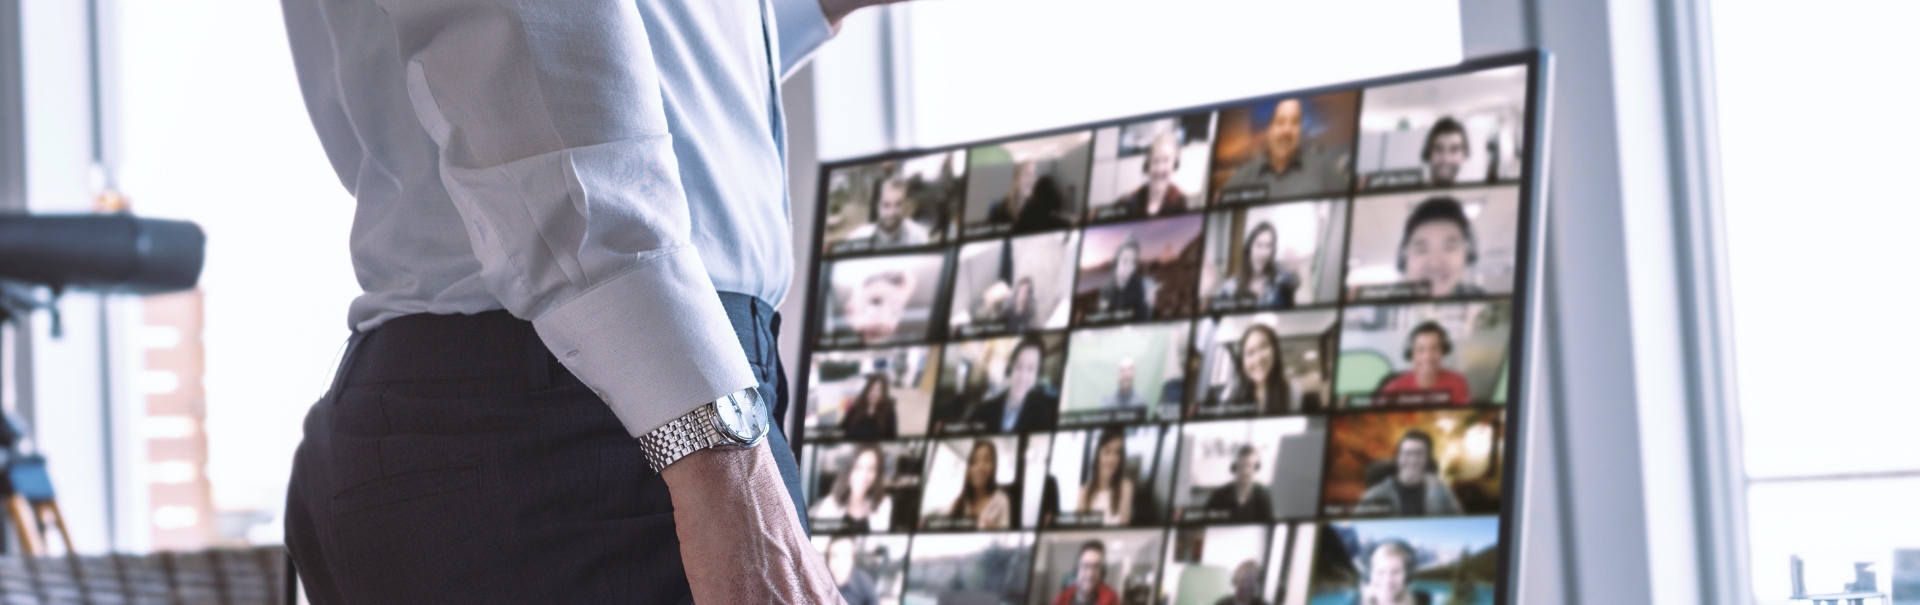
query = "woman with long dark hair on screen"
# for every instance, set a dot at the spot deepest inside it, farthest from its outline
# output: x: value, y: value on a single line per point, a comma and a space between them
x: 1261, y: 379
x: 859, y: 498
x: 871, y: 415
x: 1125, y: 298
x: 1109, y: 492
x: 981, y: 498
x: 1261, y: 282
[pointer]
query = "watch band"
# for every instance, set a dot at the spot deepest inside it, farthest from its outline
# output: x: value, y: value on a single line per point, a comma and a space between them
x: 687, y: 434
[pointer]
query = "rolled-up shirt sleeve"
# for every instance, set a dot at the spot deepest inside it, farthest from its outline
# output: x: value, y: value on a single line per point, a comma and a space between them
x: 555, y: 148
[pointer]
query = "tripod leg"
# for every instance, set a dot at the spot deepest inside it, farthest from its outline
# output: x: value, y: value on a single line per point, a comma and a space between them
x: 17, y: 508
x: 60, y: 522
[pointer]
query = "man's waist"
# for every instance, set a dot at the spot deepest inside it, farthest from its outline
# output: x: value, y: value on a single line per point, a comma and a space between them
x: 495, y: 344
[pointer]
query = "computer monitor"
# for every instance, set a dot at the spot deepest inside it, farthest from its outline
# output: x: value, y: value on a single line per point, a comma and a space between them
x: 1271, y: 350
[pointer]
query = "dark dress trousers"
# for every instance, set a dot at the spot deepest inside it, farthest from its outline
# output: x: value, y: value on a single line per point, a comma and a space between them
x: 456, y: 461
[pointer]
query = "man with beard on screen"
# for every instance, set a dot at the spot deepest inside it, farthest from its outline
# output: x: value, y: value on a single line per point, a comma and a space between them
x: 1415, y: 488
x: 891, y: 228
x: 1284, y: 163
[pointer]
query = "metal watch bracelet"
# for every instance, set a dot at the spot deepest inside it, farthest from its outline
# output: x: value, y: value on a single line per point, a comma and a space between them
x: 685, y: 435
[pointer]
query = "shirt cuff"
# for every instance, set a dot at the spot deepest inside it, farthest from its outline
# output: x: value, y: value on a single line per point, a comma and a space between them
x: 654, y: 342
x: 802, y: 29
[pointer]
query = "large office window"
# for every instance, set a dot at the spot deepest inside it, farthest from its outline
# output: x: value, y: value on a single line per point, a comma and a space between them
x: 213, y: 130
x: 1819, y: 137
x: 959, y: 71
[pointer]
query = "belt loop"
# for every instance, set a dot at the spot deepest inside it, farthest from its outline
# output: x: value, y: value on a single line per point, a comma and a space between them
x: 538, y: 377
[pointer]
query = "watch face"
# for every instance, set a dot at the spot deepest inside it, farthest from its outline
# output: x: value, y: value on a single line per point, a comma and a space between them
x: 741, y: 417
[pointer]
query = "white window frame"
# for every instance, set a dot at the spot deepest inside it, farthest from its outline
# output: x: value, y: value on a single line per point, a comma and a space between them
x: 1632, y: 467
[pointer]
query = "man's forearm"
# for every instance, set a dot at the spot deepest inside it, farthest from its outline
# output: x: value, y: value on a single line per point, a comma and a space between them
x: 740, y: 535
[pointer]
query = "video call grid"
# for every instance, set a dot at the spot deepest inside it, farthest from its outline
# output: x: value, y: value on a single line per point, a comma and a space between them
x: 939, y: 336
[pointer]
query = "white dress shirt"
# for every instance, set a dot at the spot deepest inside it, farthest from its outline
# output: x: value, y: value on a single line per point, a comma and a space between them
x: 598, y: 167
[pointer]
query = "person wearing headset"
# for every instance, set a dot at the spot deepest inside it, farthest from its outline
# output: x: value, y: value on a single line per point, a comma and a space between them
x: 1089, y: 585
x: 1414, y: 488
x: 1159, y: 195
x: 1244, y: 499
x: 1446, y: 151
x: 1427, y: 346
x: 1437, y: 248
x: 1389, y: 581
x: 1026, y: 404
x: 888, y: 225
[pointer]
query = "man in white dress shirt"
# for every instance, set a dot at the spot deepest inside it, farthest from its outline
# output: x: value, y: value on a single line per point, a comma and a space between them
x: 571, y: 233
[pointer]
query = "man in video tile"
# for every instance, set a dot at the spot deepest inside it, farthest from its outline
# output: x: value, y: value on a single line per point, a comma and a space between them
x: 1427, y: 381
x: 856, y: 585
x: 1034, y: 203
x: 1445, y: 152
x: 1159, y: 195
x: 1413, y: 487
x: 1026, y: 404
x: 1123, y: 395
x: 1390, y: 570
x: 1262, y: 281
x: 1089, y: 579
x: 1126, y: 297
x: 1437, y: 247
x: 1244, y: 500
x: 890, y: 226
x: 1284, y: 164
x: 1246, y: 585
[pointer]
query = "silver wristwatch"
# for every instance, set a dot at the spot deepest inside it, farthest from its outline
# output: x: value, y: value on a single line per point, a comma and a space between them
x: 736, y: 421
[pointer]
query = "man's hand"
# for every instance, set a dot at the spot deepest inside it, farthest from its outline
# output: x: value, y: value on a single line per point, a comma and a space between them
x: 839, y: 9
x: 740, y: 537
